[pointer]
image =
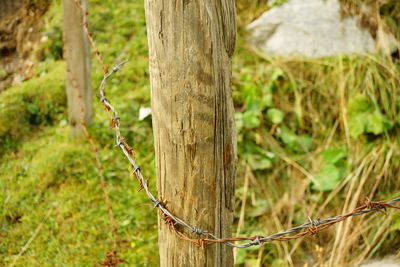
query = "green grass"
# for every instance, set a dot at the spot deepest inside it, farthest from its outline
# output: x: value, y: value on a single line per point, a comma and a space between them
x: 53, y: 181
x: 34, y: 103
x: 313, y: 135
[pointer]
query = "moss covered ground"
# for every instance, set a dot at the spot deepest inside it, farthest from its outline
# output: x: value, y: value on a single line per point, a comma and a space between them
x: 316, y: 136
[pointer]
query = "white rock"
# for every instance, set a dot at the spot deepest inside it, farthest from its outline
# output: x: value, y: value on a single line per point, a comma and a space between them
x: 312, y: 28
x: 144, y: 112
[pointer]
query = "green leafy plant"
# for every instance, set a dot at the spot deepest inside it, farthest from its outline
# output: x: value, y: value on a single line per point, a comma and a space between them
x: 333, y: 169
x: 258, y: 112
x: 365, y: 117
x: 295, y: 143
x: 275, y: 115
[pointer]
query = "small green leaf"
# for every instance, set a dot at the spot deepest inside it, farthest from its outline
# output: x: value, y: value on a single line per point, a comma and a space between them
x: 333, y: 155
x: 302, y: 143
x: 259, y: 208
x: 277, y: 74
x: 375, y: 123
x: 251, y: 120
x: 359, y: 103
x: 33, y: 108
x: 305, y: 142
x: 267, y: 100
x: 328, y: 178
x: 275, y: 115
x: 258, y: 162
x: 356, y: 124
x: 387, y: 124
x: 287, y: 136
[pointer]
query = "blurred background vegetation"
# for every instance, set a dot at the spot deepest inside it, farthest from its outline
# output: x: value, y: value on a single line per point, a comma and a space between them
x: 316, y: 136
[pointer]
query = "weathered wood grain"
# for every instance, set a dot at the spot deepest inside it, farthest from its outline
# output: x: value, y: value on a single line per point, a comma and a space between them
x: 191, y: 43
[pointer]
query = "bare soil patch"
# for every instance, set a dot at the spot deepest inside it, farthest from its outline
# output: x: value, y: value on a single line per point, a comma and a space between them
x: 20, y: 23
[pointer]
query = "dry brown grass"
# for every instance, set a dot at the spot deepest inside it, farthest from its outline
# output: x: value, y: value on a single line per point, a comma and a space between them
x: 315, y: 94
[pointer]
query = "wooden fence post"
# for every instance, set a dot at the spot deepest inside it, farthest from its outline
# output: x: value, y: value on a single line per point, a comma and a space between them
x: 191, y: 43
x: 77, y: 57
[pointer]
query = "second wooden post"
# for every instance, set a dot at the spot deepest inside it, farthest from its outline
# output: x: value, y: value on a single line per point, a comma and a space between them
x: 77, y: 57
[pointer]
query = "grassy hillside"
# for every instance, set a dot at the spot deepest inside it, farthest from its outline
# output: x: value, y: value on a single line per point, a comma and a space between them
x: 316, y: 136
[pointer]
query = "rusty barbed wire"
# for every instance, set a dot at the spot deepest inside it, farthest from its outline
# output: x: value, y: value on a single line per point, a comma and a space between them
x: 311, y: 228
